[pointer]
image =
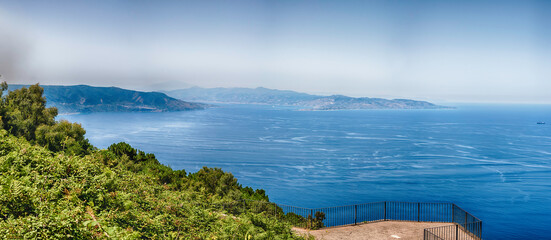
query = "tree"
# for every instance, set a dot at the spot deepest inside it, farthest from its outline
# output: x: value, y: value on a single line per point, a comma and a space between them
x: 23, y: 110
x: 63, y: 136
x: 216, y: 181
x: 122, y: 148
x: 23, y: 113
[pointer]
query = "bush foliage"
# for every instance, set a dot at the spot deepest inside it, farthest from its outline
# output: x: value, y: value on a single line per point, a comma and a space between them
x: 55, y: 185
x: 23, y: 113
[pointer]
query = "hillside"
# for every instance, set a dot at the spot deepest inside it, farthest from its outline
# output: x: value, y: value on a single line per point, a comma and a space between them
x: 55, y: 185
x: 83, y: 98
x: 104, y: 195
x: 241, y: 95
x: 291, y: 98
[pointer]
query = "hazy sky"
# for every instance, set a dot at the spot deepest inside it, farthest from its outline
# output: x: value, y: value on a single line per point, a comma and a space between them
x: 466, y: 51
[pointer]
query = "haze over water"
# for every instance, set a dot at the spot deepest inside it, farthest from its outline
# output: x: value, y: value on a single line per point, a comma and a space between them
x: 491, y: 160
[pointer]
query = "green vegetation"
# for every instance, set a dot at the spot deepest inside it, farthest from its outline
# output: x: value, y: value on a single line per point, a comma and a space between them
x: 55, y: 185
x: 23, y: 113
x: 317, y: 222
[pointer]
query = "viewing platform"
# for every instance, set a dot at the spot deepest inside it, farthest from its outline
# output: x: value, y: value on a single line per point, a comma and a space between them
x: 377, y: 220
x: 374, y: 230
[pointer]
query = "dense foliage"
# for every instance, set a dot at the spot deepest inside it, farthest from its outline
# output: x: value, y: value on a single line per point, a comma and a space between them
x: 23, y: 113
x: 54, y: 185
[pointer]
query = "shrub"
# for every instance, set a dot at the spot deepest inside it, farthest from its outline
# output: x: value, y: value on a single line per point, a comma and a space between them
x: 63, y: 137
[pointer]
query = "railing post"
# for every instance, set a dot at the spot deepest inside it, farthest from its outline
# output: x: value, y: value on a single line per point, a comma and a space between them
x: 456, y: 231
x: 355, y: 214
x: 418, y: 212
x: 480, y: 233
x: 311, y: 218
x: 465, y: 226
x: 385, y: 210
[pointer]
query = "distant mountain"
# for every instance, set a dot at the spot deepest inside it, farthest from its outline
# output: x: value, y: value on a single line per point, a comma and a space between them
x: 291, y: 98
x: 241, y: 95
x: 84, y: 98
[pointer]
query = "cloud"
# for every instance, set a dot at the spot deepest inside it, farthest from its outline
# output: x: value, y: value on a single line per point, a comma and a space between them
x: 14, y: 49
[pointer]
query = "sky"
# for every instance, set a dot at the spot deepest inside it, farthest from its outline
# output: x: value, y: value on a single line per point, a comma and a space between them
x: 442, y: 51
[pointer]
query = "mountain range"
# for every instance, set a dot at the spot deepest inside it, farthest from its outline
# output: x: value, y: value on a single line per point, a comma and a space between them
x: 290, y: 98
x: 84, y: 98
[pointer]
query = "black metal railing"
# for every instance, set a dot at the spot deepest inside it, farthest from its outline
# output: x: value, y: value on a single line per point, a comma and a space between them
x: 451, y: 232
x: 466, y: 225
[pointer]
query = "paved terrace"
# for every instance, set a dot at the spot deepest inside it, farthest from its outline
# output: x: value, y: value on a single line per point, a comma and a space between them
x: 383, y: 230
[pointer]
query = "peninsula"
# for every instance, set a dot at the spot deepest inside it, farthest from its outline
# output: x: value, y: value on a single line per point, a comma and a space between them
x: 291, y: 98
x: 84, y: 98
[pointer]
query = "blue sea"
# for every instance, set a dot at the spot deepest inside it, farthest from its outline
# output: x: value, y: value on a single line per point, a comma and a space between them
x: 492, y: 160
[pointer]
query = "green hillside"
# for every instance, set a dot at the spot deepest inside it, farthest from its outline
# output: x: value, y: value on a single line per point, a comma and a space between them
x: 55, y: 185
x: 83, y: 98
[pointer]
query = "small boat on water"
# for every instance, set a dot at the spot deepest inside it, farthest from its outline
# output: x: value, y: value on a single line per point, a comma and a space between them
x: 540, y: 123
